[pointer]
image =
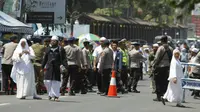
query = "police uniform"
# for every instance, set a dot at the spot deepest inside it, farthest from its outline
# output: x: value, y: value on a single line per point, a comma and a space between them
x: 135, y: 59
x: 105, y: 67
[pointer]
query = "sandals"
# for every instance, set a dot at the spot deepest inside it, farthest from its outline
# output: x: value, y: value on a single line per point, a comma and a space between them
x: 56, y: 99
x: 50, y: 97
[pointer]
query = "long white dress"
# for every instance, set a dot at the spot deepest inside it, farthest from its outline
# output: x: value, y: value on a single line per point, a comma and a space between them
x: 174, y: 91
x: 23, y: 71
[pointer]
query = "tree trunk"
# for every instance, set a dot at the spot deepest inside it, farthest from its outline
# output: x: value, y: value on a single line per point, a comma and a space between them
x: 131, y: 8
x: 104, y: 3
x: 113, y: 10
x: 2, y: 2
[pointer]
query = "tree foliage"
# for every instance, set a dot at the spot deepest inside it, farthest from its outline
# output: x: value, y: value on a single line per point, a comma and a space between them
x: 188, y: 4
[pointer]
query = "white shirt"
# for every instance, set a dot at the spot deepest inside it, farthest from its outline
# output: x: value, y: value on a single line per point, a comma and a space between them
x: 114, y: 55
x: 96, y: 53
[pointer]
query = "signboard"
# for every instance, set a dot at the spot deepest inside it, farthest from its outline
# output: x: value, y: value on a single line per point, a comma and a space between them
x: 58, y: 7
x: 12, y: 8
x: 40, y: 17
x: 188, y: 83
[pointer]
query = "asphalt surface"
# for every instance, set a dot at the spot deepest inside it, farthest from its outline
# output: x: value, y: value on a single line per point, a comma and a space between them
x: 92, y: 102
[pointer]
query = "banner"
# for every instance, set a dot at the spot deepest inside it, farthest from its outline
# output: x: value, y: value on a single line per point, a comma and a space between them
x: 188, y: 83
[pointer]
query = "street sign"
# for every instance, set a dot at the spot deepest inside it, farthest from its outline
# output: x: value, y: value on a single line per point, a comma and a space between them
x: 40, y: 17
x: 55, y: 7
x: 188, y: 83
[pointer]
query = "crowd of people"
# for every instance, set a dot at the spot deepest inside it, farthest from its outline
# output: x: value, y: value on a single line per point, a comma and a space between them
x: 56, y: 63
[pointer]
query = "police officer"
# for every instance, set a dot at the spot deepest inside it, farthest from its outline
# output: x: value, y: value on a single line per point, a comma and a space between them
x: 106, y: 66
x: 72, y: 55
x: 135, y: 59
x: 125, y: 62
x: 39, y: 50
x: 161, y: 66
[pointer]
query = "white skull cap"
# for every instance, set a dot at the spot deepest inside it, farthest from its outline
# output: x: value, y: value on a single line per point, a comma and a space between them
x: 195, y: 50
x: 155, y: 45
x: 103, y: 39
x: 54, y: 38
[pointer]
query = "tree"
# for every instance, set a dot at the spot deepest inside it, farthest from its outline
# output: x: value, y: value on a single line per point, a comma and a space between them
x: 188, y: 4
x: 2, y: 2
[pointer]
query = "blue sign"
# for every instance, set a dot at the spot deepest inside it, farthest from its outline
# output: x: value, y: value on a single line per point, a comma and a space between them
x: 188, y: 83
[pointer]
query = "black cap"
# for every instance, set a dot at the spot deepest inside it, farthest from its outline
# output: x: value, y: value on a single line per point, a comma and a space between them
x: 14, y: 37
x: 106, y: 42
x: 164, y: 37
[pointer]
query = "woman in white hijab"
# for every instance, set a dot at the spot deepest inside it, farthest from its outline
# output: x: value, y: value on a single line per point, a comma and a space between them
x: 174, y: 90
x: 23, y: 71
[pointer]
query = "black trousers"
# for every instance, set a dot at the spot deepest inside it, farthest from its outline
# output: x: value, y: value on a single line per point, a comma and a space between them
x: 91, y: 77
x: 105, y: 80
x: 99, y: 80
x: 161, y: 80
x: 6, y: 72
x: 65, y: 79
x: 124, y: 76
x: 134, y: 77
x: 119, y: 81
x: 74, y: 76
x: 196, y: 92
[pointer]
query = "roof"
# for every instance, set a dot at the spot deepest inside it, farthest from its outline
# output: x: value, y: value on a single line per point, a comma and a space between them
x: 9, y: 24
x: 119, y: 20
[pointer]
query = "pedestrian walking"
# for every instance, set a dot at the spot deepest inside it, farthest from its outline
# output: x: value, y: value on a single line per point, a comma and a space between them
x: 54, y: 60
x: 174, y: 91
x: 23, y: 71
x: 73, y: 60
x: 136, y: 58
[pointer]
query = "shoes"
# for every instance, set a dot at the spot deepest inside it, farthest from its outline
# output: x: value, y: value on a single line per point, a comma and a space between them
x: 180, y: 105
x: 98, y: 92
x: 163, y: 101
x: 71, y: 94
x: 157, y: 99
x: 129, y: 90
x: 103, y: 94
x: 12, y: 93
x: 23, y: 98
x: 136, y: 91
x: 83, y: 92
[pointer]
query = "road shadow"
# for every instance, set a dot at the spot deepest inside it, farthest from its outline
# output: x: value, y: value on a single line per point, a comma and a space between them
x: 186, y: 107
x: 64, y: 101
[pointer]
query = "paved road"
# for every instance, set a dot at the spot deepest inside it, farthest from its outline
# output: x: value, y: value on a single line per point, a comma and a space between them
x: 91, y: 103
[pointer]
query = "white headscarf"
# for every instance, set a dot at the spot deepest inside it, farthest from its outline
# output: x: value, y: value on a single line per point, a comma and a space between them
x: 21, y: 65
x: 19, y: 49
x: 173, y: 66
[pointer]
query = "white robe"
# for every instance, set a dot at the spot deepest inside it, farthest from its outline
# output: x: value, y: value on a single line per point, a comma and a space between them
x: 23, y: 73
x: 174, y: 91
